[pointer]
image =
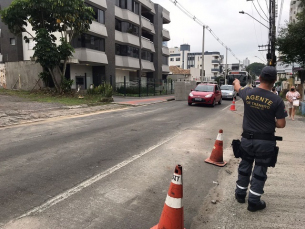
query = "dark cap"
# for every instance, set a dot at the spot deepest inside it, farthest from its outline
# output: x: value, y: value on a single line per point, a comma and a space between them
x: 269, y: 72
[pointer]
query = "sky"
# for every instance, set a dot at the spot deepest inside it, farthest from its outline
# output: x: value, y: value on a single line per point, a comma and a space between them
x: 239, y: 32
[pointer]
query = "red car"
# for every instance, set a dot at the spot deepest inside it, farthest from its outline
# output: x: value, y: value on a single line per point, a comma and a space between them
x: 205, y: 94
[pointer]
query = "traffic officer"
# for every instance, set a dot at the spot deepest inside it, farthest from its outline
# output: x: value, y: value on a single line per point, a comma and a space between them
x: 263, y: 112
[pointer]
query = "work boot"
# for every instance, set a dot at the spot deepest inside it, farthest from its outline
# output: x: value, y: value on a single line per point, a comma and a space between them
x: 240, y: 198
x: 253, y: 207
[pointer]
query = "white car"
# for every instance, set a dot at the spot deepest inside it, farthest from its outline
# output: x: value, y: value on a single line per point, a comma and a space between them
x: 228, y: 92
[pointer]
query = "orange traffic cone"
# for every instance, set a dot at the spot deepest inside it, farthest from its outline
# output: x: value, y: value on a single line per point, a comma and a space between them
x: 216, y: 157
x: 233, y: 105
x: 172, y: 214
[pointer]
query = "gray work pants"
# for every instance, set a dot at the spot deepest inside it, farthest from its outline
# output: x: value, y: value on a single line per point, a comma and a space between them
x: 256, y: 151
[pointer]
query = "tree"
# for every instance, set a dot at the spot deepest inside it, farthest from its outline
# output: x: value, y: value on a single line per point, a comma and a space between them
x: 65, y: 18
x: 291, y: 42
x: 255, y: 69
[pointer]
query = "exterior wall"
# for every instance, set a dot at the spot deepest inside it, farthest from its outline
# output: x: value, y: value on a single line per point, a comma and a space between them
x: 119, y: 74
x: 22, y: 75
x: 81, y: 70
x: 2, y: 76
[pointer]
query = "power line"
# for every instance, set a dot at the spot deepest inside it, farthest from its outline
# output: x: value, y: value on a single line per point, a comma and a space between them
x: 262, y: 9
x: 259, y: 13
x: 193, y: 17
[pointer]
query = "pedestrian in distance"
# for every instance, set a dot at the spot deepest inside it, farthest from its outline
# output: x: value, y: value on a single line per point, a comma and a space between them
x: 291, y: 96
x: 263, y: 112
x: 274, y: 91
x: 278, y: 89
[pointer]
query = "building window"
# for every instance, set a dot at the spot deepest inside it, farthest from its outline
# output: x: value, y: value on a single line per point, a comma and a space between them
x: 177, y: 59
x: 146, y: 55
x: 90, y: 42
x: 126, y: 27
x: 125, y: 50
x: 164, y: 60
x: 171, y: 59
x: 131, y: 5
x: 12, y: 41
x: 99, y: 15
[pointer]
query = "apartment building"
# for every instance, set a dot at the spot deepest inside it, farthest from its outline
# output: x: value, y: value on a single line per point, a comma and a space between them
x: 183, y: 58
x: 126, y: 39
x: 295, y: 8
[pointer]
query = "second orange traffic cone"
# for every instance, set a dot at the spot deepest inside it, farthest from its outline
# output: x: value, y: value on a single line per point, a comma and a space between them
x: 232, y: 108
x: 172, y: 214
x: 216, y: 157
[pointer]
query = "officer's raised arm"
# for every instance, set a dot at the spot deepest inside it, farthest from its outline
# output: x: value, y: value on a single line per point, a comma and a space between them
x: 236, y: 84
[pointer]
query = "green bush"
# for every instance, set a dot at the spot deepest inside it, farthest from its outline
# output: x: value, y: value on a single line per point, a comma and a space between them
x: 104, y: 89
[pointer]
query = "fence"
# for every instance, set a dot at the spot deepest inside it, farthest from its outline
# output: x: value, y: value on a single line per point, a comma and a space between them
x: 149, y: 87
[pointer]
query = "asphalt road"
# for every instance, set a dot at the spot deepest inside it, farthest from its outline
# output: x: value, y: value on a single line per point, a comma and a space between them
x: 109, y: 170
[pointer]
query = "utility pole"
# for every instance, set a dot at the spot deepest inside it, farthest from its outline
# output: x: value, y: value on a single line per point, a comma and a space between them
x: 202, y: 68
x: 272, y: 34
x: 226, y: 67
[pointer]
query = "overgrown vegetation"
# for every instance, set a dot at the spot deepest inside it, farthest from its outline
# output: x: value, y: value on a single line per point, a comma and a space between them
x: 104, y: 90
x: 51, y: 96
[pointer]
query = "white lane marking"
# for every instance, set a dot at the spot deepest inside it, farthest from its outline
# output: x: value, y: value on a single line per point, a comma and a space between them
x: 91, y: 181
x: 173, y: 202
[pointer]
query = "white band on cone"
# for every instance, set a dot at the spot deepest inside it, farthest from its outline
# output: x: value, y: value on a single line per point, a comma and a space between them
x: 219, y: 137
x: 173, y: 202
x: 177, y: 179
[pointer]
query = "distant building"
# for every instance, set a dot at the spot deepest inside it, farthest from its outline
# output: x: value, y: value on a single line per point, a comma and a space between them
x: 246, y: 62
x: 295, y: 8
x: 184, y: 59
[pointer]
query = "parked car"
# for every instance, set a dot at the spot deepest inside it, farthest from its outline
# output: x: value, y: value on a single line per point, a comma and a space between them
x: 205, y: 94
x: 228, y: 92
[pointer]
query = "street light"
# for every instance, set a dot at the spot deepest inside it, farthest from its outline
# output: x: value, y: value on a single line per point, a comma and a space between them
x: 242, y: 12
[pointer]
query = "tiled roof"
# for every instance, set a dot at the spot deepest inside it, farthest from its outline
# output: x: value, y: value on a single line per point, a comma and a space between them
x: 179, y: 71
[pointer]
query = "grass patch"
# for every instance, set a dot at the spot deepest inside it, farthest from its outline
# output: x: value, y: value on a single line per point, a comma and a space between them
x: 48, y: 96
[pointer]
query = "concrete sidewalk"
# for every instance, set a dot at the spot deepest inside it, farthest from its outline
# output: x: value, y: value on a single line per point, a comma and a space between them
x: 284, y: 190
x: 139, y: 101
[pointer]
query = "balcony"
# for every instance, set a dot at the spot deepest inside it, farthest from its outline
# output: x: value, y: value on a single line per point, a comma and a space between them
x: 165, y: 51
x: 98, y: 29
x: 89, y: 56
x: 166, y: 16
x: 127, y: 38
x: 148, y: 25
x: 127, y: 62
x: 147, y: 44
x: 215, y: 70
x: 165, y: 69
x: 98, y: 3
x: 215, y: 61
x: 127, y: 15
x: 165, y: 35
x: 148, y: 5
x: 148, y: 66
